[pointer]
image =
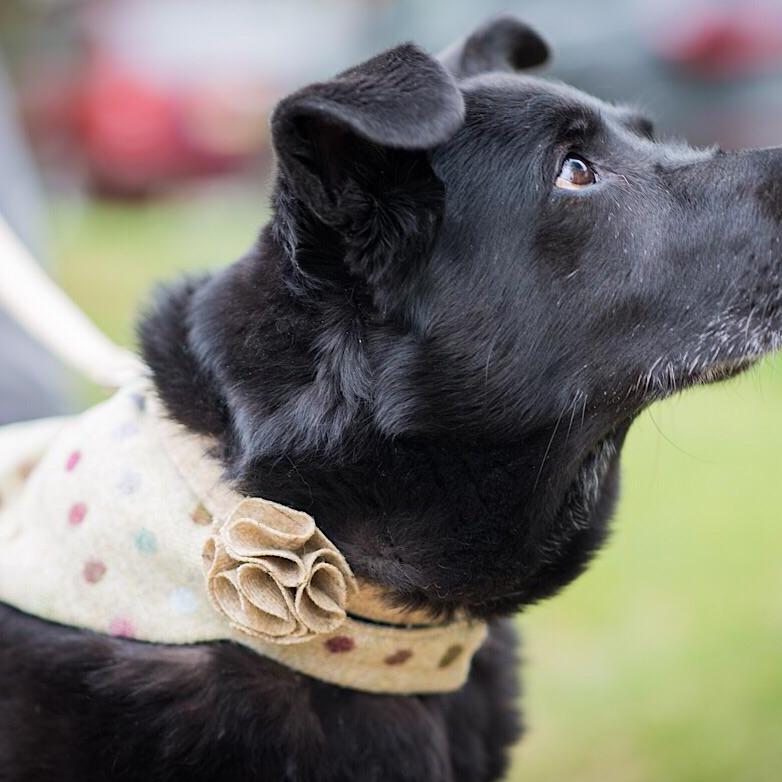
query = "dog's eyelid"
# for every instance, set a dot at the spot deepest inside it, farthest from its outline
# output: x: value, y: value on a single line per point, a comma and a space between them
x: 576, y: 133
x: 578, y: 129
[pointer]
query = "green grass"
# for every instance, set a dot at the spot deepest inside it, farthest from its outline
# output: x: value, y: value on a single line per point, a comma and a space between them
x: 663, y: 661
x: 109, y: 257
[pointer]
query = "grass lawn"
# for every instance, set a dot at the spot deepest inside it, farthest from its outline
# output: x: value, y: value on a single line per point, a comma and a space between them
x: 663, y: 662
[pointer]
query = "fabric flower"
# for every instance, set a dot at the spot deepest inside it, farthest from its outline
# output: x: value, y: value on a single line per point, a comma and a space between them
x: 275, y: 575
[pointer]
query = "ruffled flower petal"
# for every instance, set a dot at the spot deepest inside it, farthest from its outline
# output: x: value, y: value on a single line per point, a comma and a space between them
x: 320, y: 603
x: 274, y: 575
x: 257, y: 525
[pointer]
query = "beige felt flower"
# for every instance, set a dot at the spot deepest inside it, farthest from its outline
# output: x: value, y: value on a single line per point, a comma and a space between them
x: 275, y: 575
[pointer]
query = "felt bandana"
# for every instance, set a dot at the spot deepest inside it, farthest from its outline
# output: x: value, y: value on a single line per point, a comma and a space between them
x: 119, y: 521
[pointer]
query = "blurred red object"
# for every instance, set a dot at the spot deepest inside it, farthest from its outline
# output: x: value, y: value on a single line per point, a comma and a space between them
x: 137, y: 135
x: 724, y: 41
x: 135, y: 96
x: 132, y: 132
x: 128, y: 129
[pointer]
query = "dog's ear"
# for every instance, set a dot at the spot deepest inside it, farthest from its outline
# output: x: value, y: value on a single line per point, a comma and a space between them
x: 324, y: 134
x: 356, y: 193
x: 502, y: 44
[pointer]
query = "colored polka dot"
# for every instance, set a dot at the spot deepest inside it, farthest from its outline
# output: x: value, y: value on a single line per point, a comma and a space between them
x: 183, y: 601
x: 201, y: 516
x: 94, y: 570
x: 122, y: 627
x: 139, y: 401
x: 399, y: 657
x: 452, y: 653
x: 339, y: 644
x: 146, y: 542
x: 74, y: 457
x: 76, y: 514
x: 128, y: 483
x: 125, y: 430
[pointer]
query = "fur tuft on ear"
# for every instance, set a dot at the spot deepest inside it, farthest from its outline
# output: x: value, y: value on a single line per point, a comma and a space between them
x: 501, y: 44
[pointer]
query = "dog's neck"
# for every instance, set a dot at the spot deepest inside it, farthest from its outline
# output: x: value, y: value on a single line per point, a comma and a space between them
x: 300, y: 430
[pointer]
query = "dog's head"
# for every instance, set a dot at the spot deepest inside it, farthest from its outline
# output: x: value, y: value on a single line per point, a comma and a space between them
x: 473, y: 281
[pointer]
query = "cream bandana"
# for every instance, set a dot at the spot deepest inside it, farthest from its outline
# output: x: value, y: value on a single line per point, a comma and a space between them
x: 119, y: 521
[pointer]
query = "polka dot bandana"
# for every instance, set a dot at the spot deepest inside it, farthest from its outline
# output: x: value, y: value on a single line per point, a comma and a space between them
x: 119, y: 521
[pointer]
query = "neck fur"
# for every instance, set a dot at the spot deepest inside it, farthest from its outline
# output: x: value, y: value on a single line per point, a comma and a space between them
x: 286, y: 384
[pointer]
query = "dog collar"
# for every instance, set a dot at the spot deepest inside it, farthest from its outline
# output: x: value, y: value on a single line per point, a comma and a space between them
x: 120, y: 521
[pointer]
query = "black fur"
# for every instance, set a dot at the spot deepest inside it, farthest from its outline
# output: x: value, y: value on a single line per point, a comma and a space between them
x: 438, y: 354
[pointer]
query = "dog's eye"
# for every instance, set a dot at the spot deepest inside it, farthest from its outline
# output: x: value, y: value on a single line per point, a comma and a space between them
x: 575, y: 174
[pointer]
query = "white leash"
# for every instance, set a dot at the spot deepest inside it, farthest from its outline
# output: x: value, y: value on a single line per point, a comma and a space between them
x: 46, y: 312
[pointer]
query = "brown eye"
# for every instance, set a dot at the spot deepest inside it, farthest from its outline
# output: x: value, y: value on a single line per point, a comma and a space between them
x: 575, y: 174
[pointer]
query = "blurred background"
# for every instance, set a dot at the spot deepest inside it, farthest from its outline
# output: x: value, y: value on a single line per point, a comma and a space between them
x: 134, y: 145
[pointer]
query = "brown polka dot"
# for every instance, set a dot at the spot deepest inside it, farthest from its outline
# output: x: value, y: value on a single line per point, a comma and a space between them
x: 201, y: 516
x: 77, y: 513
x: 24, y: 470
x: 94, y: 570
x: 399, y: 657
x: 339, y: 644
x: 452, y: 654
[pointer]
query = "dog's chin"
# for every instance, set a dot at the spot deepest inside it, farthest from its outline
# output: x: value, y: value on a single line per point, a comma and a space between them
x: 672, y: 377
x: 740, y: 350
x: 722, y: 370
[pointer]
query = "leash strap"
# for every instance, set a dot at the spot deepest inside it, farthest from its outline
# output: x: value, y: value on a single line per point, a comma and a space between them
x: 50, y: 316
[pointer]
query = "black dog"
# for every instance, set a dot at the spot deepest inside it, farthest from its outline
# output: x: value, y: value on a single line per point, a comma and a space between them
x: 472, y: 283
